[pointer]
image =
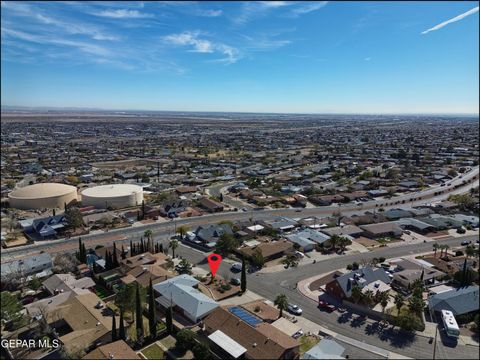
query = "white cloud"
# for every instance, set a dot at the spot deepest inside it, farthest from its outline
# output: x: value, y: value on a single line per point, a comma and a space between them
x: 275, y: 4
x: 209, y: 13
x: 123, y: 14
x: 70, y: 27
x: 455, y: 19
x: 309, y: 8
x: 367, y: 59
x: 191, y: 38
x: 82, y: 46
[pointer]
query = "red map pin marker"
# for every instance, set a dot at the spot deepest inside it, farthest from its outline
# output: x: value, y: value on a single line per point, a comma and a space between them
x: 214, y: 262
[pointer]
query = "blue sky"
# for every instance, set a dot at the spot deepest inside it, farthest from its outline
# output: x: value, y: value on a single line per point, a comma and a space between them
x: 279, y: 56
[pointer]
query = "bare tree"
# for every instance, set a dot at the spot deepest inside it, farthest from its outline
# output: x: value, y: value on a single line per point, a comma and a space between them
x: 65, y: 263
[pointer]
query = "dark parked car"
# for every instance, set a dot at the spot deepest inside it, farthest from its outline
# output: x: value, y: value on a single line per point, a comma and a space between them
x: 322, y: 304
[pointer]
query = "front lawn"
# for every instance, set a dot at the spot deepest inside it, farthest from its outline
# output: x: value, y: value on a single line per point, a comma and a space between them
x: 153, y: 352
x: 307, y: 342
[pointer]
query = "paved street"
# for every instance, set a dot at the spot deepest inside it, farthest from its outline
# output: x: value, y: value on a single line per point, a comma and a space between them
x: 272, y: 284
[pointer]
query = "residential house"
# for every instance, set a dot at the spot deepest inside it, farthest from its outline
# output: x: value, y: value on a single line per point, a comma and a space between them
x: 39, y: 265
x: 459, y: 301
x: 210, y: 234
x: 385, y: 229
x: 260, y: 340
x: 59, y: 283
x: 210, y: 205
x: 44, y: 228
x: 181, y: 292
x: 269, y: 250
x: 82, y: 322
x: 415, y: 225
x: 395, y: 214
x: 281, y: 223
x: 351, y: 230
x: 308, y: 238
x: 144, y: 274
x: 113, y: 351
x: 341, y: 287
x: 326, y: 349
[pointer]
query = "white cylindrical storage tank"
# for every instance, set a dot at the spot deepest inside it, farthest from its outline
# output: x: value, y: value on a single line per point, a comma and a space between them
x: 43, y: 195
x: 115, y: 196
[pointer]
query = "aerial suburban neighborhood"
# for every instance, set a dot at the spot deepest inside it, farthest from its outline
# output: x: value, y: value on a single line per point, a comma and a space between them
x: 332, y: 237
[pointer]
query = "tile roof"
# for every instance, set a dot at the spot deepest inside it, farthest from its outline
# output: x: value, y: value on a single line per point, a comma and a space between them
x: 259, y: 345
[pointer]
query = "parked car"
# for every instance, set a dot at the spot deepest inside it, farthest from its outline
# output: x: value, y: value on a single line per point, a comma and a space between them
x: 235, y: 281
x: 407, y: 232
x: 236, y: 267
x: 298, y: 334
x: 294, y: 309
x: 461, y: 230
x: 298, y: 210
x: 341, y: 309
x: 322, y: 304
x: 299, y: 254
x: 466, y: 242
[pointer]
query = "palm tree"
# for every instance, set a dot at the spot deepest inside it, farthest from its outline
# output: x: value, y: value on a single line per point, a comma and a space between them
x: 149, y: 235
x: 334, y: 240
x: 441, y: 247
x: 357, y: 294
x: 435, y: 248
x: 173, y: 245
x: 399, y: 300
x: 368, y: 297
x: 416, y: 304
x: 446, y: 247
x: 182, y: 230
x: 281, y: 301
x: 470, y: 251
x: 383, y: 296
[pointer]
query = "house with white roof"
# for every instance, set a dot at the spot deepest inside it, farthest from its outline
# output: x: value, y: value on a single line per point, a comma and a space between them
x: 181, y: 292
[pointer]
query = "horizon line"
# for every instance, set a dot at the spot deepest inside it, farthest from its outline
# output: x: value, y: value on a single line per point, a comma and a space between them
x: 86, y: 108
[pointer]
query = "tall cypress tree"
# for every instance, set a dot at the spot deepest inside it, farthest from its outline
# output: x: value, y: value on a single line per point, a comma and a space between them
x: 142, y: 246
x: 114, y: 329
x: 115, y: 258
x: 464, y: 274
x: 84, y: 253
x: 243, y: 279
x: 108, y: 260
x: 131, y: 248
x: 123, y: 253
x: 160, y: 247
x: 169, y: 320
x: 80, y: 253
x: 152, y: 318
x: 121, y: 330
x: 138, y: 315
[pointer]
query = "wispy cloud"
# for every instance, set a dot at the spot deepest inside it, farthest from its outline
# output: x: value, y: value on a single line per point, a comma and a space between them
x: 123, y: 14
x: 255, y: 9
x: 70, y: 27
x: 80, y: 45
x: 209, y: 13
x: 202, y: 45
x: 367, y: 59
x: 305, y: 9
x: 452, y: 20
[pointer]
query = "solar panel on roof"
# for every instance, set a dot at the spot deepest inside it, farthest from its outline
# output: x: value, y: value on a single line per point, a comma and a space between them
x: 245, y: 316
